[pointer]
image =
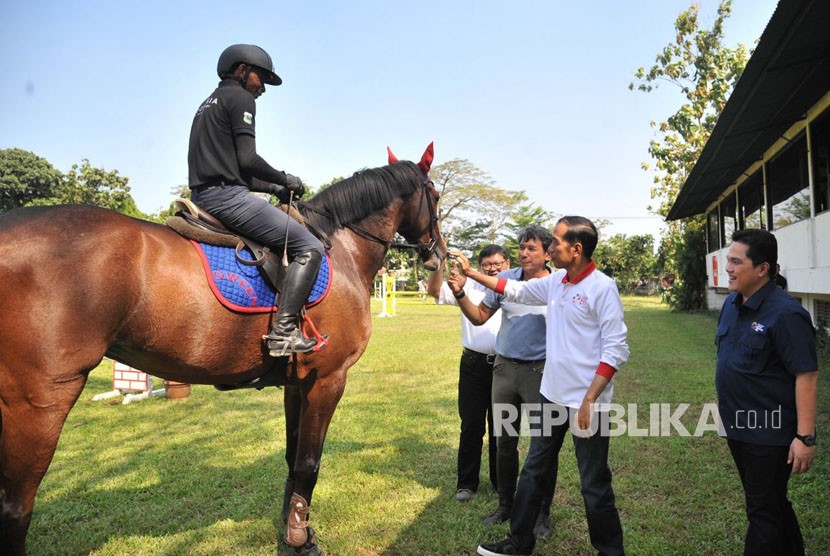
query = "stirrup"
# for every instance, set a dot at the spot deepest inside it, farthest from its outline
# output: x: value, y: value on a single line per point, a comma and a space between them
x: 284, y: 345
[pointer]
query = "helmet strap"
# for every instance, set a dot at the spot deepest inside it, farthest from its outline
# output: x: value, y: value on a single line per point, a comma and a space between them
x: 245, y: 76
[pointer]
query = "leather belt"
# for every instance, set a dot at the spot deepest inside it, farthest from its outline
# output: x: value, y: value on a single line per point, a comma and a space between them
x: 522, y: 361
x: 211, y: 184
x: 488, y: 357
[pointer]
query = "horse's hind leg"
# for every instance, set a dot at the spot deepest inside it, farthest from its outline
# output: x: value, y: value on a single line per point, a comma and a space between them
x: 31, y: 418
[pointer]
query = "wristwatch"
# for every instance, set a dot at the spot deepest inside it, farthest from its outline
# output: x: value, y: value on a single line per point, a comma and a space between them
x: 807, y: 439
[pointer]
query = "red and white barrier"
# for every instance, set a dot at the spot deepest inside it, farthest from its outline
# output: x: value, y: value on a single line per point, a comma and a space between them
x: 131, y: 383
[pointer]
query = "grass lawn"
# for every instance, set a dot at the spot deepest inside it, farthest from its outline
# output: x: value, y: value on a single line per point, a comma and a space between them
x: 204, y: 476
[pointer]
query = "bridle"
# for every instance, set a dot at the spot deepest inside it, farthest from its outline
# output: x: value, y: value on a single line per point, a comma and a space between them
x: 426, y: 250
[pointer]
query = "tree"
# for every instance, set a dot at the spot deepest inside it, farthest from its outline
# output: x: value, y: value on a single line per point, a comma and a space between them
x: 95, y: 186
x: 25, y: 177
x: 628, y: 259
x: 473, y: 211
x: 705, y: 71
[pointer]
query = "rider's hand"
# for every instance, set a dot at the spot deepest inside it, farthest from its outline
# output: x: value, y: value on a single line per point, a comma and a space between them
x: 295, y: 184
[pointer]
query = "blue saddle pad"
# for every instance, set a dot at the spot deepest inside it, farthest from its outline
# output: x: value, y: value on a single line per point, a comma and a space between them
x: 242, y: 288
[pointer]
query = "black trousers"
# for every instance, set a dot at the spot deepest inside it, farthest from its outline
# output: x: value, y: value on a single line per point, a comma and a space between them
x: 254, y: 217
x: 475, y: 381
x: 773, y: 526
x: 540, y: 472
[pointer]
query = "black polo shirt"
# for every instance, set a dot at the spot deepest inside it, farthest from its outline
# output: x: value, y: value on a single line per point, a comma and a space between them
x: 762, y: 344
x: 229, y: 111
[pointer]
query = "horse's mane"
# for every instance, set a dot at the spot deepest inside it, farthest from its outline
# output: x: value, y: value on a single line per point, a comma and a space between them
x: 366, y: 192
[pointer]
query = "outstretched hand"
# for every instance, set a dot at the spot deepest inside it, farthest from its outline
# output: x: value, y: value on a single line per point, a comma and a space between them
x: 460, y: 260
x: 456, y: 280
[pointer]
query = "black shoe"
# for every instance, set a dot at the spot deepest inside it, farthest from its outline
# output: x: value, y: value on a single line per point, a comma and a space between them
x: 281, y: 344
x: 502, y: 548
x: 501, y: 515
x: 542, y: 529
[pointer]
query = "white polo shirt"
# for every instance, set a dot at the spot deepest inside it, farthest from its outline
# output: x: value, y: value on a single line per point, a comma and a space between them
x: 477, y: 338
x: 585, y: 328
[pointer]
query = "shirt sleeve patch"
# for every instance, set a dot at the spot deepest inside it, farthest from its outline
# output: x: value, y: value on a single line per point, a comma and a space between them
x: 248, y: 118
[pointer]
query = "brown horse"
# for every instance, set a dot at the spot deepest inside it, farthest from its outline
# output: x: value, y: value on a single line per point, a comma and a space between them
x: 78, y: 283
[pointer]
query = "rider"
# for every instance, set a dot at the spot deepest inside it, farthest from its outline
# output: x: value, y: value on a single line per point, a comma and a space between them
x: 224, y: 168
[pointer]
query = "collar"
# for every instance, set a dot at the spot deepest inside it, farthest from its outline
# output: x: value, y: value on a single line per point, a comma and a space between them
x: 582, y: 275
x: 229, y: 82
x: 755, y: 300
x: 522, y: 273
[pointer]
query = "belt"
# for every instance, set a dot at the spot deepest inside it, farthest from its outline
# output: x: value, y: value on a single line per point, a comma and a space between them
x: 522, y: 361
x: 488, y: 357
x: 212, y: 184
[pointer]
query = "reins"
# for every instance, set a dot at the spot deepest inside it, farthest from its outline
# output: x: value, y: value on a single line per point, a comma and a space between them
x: 388, y: 243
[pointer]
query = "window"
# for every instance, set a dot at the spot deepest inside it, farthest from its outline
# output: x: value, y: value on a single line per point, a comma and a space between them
x: 712, y: 231
x: 821, y: 308
x: 788, y: 186
x: 820, y: 145
x: 728, y: 219
x: 751, y: 195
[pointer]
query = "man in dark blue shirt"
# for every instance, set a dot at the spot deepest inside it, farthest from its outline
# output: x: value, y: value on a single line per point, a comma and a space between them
x: 766, y: 380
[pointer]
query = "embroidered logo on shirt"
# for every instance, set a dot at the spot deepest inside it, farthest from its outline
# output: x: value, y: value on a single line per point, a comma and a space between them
x: 247, y: 117
x: 758, y: 327
x: 207, y: 104
x: 581, y: 300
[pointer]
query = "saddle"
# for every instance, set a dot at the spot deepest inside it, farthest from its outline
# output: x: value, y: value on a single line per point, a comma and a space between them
x: 198, y: 225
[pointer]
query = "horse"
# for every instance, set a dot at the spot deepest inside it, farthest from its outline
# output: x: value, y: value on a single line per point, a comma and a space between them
x: 78, y: 283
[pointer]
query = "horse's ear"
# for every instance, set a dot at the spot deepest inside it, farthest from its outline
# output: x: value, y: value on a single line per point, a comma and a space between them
x: 426, y: 160
x: 392, y: 158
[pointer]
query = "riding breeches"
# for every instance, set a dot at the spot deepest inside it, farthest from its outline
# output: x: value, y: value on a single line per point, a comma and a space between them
x: 254, y: 217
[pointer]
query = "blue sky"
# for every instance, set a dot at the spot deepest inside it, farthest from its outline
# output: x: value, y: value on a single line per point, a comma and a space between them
x: 535, y: 93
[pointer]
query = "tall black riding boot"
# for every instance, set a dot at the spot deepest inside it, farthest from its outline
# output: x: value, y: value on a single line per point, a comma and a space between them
x: 286, y: 336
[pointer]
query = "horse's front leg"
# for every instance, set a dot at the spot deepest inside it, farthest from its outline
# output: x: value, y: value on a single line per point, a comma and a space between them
x: 308, y: 413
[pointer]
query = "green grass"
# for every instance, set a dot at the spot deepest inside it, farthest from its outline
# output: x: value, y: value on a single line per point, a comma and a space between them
x: 204, y: 476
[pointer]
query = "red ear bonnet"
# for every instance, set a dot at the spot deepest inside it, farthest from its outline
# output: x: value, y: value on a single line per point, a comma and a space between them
x: 392, y: 158
x: 426, y: 160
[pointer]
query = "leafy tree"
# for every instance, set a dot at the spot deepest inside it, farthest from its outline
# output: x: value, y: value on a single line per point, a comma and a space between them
x: 95, y: 186
x: 628, y: 259
x: 474, y: 212
x: 523, y: 216
x: 25, y: 177
x: 705, y: 72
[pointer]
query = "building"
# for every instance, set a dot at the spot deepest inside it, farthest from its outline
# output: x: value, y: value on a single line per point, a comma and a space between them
x: 767, y: 162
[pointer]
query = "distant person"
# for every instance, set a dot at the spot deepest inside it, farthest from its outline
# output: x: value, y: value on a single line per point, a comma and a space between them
x: 520, y: 361
x: 586, y: 339
x: 766, y: 378
x: 780, y: 281
x: 475, y: 375
x: 224, y: 167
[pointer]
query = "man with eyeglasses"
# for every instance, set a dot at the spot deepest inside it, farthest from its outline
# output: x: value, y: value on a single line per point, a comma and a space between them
x: 475, y: 377
x: 519, y: 363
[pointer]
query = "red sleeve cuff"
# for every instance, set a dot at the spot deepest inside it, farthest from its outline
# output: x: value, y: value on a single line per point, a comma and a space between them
x: 606, y: 370
x: 502, y: 283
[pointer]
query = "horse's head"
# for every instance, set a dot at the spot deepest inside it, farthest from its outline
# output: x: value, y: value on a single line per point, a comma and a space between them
x: 420, y: 223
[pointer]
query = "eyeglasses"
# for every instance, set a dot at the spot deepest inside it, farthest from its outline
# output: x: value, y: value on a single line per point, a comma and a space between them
x: 492, y: 266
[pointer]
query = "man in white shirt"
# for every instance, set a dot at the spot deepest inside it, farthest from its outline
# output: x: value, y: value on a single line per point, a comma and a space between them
x: 587, y: 334
x: 475, y: 379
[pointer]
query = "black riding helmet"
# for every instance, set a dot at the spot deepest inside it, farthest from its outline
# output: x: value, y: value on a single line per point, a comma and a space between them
x: 251, y: 55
